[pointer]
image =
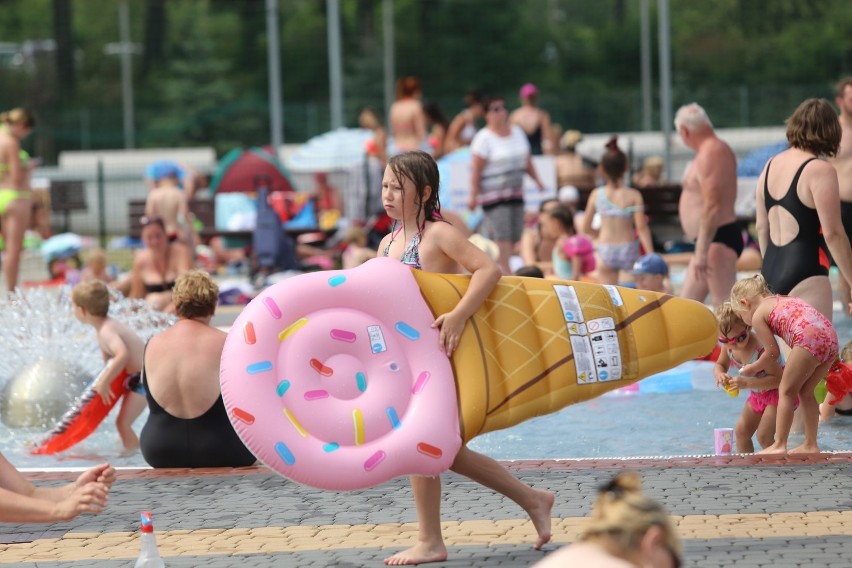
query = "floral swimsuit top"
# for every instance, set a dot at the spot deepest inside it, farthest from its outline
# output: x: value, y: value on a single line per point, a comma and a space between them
x: 411, y: 254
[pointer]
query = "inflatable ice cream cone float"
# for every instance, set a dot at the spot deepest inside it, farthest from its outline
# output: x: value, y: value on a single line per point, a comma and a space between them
x: 336, y: 380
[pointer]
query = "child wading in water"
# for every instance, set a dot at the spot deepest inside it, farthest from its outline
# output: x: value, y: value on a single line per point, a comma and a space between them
x: 421, y: 240
x: 742, y: 347
x: 813, y: 343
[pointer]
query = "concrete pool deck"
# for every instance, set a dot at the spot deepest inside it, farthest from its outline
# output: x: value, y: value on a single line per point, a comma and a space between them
x: 745, y: 510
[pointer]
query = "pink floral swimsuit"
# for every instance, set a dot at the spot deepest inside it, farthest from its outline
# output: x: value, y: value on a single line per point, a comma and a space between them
x: 801, y: 325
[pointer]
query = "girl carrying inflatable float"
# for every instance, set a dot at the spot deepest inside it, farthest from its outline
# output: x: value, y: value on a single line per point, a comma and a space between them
x: 336, y: 379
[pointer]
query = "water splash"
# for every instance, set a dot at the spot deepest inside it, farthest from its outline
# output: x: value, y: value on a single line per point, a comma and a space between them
x: 39, y: 325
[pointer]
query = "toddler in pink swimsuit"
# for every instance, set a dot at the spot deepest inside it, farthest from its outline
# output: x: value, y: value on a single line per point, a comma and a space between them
x: 813, y: 343
x: 741, y: 347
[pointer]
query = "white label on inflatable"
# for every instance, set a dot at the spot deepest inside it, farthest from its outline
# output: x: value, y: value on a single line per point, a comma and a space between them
x: 571, y: 309
x: 607, y: 355
x: 377, y: 340
x: 614, y: 295
x: 584, y: 360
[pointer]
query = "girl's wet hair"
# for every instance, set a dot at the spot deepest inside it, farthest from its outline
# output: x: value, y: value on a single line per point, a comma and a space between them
x: 728, y: 318
x: 748, y: 288
x: 623, y: 514
x: 565, y: 217
x: 421, y: 169
x: 613, y: 162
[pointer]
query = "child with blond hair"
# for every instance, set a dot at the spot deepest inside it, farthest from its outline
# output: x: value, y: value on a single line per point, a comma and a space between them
x: 740, y: 348
x: 95, y: 267
x: 813, y: 350
x: 121, y: 348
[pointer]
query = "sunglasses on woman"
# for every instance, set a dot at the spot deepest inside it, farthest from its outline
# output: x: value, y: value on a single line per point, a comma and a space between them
x: 737, y: 339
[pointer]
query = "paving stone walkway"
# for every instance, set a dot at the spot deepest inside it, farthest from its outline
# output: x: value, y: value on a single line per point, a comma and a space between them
x: 739, y: 510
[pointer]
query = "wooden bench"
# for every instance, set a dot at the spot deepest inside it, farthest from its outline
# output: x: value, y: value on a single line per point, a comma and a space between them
x: 205, y: 211
x: 661, y: 204
x: 67, y: 196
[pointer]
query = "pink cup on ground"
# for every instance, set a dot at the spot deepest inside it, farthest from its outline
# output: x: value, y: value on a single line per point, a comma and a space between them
x: 724, y: 441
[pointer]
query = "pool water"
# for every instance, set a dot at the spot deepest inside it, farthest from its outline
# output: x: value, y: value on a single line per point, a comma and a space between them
x: 650, y: 422
x: 672, y: 414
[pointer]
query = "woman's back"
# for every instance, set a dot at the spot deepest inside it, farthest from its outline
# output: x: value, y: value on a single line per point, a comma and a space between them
x: 182, y: 368
x: 780, y: 175
x: 407, y: 123
x: 188, y: 425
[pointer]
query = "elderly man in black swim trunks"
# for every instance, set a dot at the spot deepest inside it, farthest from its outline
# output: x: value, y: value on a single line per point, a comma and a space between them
x: 707, y: 208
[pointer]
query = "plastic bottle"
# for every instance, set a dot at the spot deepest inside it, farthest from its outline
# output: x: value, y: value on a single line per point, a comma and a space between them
x: 149, y: 556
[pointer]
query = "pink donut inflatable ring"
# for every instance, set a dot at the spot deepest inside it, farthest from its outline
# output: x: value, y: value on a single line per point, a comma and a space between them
x: 335, y: 379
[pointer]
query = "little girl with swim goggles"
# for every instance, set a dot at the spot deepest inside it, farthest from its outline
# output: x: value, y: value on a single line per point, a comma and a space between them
x: 813, y: 350
x: 740, y: 347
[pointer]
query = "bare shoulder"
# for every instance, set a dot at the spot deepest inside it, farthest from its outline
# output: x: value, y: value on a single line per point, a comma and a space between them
x: 633, y: 194
x: 716, y: 149
x: 443, y: 230
x: 820, y: 167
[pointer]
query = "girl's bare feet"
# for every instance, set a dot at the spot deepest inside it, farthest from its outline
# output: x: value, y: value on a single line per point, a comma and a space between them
x: 805, y: 449
x: 540, y: 515
x: 774, y: 449
x: 420, y: 553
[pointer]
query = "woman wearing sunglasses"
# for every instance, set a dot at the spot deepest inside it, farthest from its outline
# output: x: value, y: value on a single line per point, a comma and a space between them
x: 740, y: 346
x: 157, y: 265
x: 500, y: 158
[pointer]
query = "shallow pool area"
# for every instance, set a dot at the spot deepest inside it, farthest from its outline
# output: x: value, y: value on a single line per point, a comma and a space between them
x: 670, y: 414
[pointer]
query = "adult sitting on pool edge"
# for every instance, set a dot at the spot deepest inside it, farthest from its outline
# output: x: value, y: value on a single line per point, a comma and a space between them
x: 187, y: 425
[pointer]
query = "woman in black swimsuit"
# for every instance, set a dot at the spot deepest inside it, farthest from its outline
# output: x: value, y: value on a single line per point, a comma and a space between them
x: 188, y: 425
x: 798, y: 210
x: 157, y: 265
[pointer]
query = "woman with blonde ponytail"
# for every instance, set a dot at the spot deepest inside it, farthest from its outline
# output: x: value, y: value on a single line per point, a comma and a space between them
x: 627, y: 530
x: 15, y: 195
